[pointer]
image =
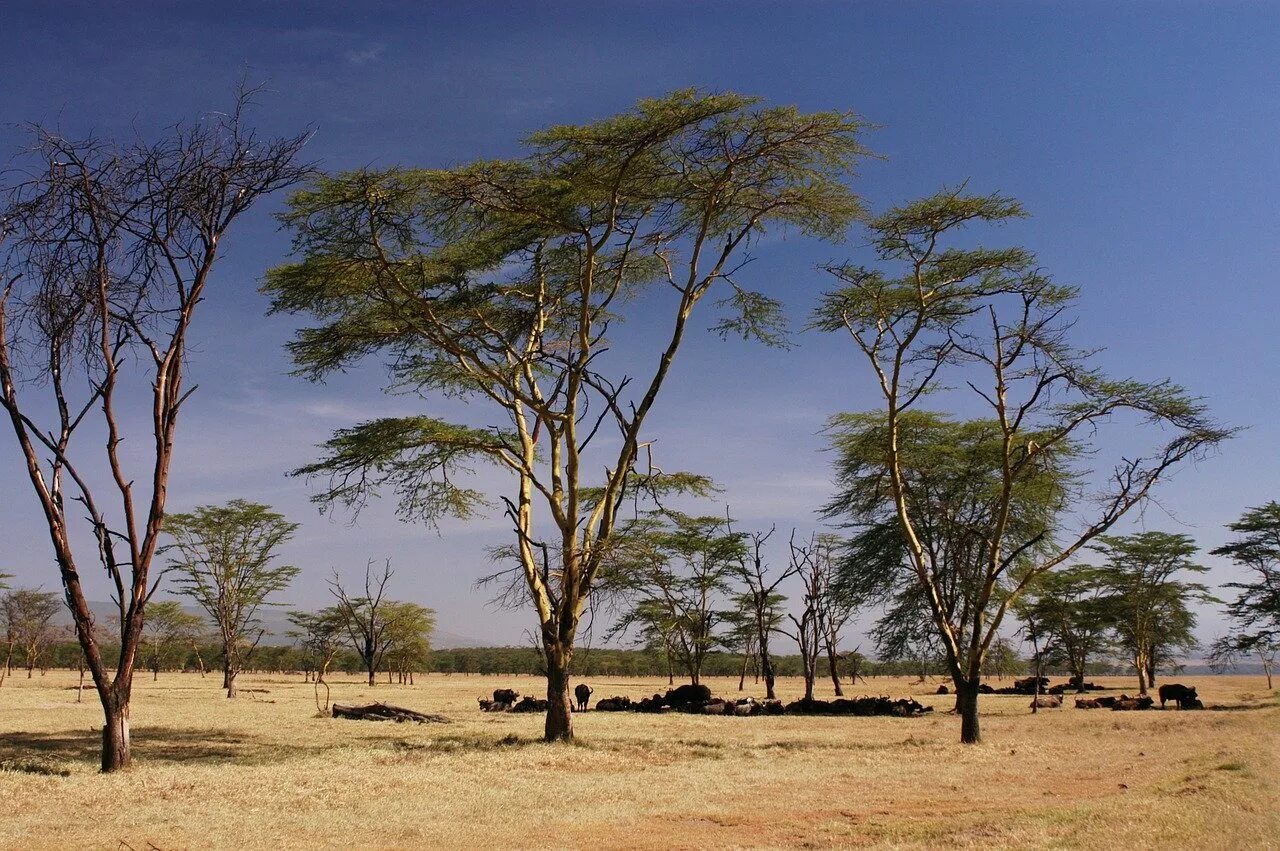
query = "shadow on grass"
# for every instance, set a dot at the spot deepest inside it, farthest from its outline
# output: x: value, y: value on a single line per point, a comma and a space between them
x: 150, y: 744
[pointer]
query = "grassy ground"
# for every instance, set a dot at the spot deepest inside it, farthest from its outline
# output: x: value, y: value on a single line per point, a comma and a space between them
x: 264, y: 771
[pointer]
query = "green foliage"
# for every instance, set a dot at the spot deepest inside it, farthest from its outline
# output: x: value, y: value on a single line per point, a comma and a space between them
x: 954, y: 473
x: 674, y: 571
x: 499, y: 282
x: 168, y: 634
x: 1072, y: 614
x: 1255, y: 612
x: 1149, y: 604
x: 983, y: 506
x: 223, y: 558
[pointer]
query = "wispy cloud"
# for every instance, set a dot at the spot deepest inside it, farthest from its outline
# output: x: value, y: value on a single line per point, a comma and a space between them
x: 364, y: 57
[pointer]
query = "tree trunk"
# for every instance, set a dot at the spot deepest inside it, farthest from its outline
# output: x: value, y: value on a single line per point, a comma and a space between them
x: 559, y: 726
x: 835, y: 670
x: 766, y: 665
x: 229, y: 681
x: 1141, y: 664
x: 967, y: 704
x: 117, y: 750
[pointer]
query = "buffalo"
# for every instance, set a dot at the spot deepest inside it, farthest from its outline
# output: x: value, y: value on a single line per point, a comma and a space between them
x: 1047, y: 701
x: 505, y: 695
x: 1177, y: 692
x: 582, y: 693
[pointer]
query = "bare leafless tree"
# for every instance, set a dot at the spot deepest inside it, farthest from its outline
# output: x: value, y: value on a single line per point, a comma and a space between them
x: 761, y: 600
x: 107, y: 250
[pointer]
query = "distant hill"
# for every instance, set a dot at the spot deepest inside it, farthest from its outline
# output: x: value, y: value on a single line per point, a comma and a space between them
x: 277, y: 624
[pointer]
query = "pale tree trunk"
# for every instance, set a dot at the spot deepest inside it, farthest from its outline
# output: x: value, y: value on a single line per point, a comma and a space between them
x: 117, y: 749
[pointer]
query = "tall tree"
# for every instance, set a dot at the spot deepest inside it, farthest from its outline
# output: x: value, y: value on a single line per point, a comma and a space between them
x: 1255, y: 612
x: 930, y: 312
x: 502, y: 282
x: 1151, y: 604
x: 106, y: 251
x: 224, y: 558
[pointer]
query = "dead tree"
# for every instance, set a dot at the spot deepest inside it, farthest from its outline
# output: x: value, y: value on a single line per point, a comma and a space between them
x: 760, y: 598
x: 365, y: 618
x: 106, y: 251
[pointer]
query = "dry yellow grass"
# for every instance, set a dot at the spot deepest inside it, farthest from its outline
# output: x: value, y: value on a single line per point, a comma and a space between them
x: 264, y: 772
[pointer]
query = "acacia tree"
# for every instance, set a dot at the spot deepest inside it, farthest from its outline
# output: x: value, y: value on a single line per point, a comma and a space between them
x: 168, y: 632
x: 1255, y: 612
x: 106, y: 251
x: 990, y: 321
x: 674, y: 569
x: 224, y: 559
x: 1151, y: 614
x: 1074, y: 614
x: 501, y: 282
x: 28, y: 624
x: 408, y: 639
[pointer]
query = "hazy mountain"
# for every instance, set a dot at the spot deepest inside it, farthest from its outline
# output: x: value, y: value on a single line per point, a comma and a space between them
x: 277, y: 624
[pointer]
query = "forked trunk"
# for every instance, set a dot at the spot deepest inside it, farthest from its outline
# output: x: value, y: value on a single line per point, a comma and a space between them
x: 559, y: 726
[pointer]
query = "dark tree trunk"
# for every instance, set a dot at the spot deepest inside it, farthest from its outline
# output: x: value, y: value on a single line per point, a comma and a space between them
x: 766, y: 666
x: 229, y: 680
x: 559, y: 726
x: 832, y: 662
x: 967, y: 704
x: 117, y: 752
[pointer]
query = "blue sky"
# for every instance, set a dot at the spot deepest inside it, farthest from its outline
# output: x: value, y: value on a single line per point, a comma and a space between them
x: 1141, y: 136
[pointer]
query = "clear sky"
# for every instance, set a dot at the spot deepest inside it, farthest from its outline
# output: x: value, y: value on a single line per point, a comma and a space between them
x: 1141, y: 136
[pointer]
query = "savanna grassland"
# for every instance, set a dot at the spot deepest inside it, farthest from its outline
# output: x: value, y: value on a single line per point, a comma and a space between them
x: 264, y: 771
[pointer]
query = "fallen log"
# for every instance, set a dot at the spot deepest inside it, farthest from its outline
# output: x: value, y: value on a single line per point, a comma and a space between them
x: 385, y: 712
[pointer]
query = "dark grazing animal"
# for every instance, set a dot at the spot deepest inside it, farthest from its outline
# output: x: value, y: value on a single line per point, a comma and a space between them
x: 1176, y: 692
x: 582, y: 692
x: 1130, y: 704
x: 505, y: 695
x: 1190, y: 703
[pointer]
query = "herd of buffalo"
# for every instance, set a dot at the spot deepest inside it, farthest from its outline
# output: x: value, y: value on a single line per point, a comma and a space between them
x: 698, y: 700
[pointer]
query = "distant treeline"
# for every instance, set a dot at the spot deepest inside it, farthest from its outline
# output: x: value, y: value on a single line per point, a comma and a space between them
x: 596, y: 662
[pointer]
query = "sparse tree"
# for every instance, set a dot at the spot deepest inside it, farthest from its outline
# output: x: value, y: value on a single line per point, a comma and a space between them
x: 105, y: 252
x: 224, y: 558
x: 1150, y: 605
x: 409, y: 639
x: 167, y: 634
x: 814, y: 563
x: 990, y: 321
x: 1074, y: 614
x: 502, y: 282
x: 675, y: 571
x: 1255, y: 612
x: 28, y: 624
x: 761, y: 601
x: 366, y: 618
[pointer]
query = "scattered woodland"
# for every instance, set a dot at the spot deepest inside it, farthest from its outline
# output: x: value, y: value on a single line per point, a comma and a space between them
x: 976, y: 532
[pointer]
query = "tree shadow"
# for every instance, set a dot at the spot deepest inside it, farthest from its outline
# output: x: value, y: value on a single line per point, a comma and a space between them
x: 150, y: 744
